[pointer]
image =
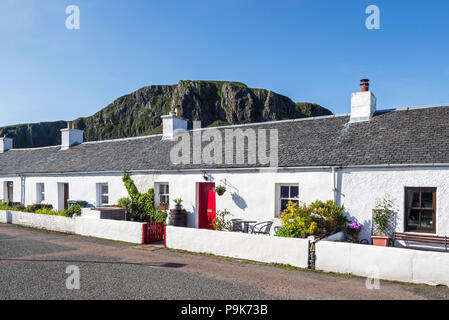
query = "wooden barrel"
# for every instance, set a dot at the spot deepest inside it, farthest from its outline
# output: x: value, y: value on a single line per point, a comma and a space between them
x: 177, y: 218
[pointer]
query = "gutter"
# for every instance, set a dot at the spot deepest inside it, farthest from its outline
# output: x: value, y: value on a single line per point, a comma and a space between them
x: 334, y: 186
x: 273, y: 169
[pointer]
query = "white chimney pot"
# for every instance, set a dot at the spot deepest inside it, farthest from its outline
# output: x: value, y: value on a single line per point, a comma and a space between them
x: 71, y: 137
x: 172, y: 125
x: 5, y: 144
x: 363, y: 106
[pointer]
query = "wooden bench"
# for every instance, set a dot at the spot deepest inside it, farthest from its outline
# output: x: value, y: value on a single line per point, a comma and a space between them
x: 418, y: 238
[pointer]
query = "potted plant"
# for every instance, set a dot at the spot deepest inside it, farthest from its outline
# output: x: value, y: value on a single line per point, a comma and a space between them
x: 178, y: 203
x: 163, y: 206
x: 381, y: 223
x: 353, y: 229
x: 126, y: 203
x: 220, y: 190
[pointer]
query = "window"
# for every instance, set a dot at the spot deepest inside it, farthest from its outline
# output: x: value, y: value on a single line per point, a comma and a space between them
x: 420, y: 206
x: 40, y: 192
x: 103, y: 194
x: 287, y: 193
x: 164, y: 193
x: 9, y: 194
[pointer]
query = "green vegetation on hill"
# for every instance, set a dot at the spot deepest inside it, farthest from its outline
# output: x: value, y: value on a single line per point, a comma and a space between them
x: 214, y: 103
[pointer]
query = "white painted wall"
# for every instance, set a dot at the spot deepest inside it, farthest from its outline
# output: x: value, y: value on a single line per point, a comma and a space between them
x: 252, y: 194
x: 260, y: 248
x: 359, y: 189
x: 16, y: 192
x: 39, y: 221
x: 126, y: 231
x: 100, y: 228
x: 81, y: 187
x: 249, y: 195
x: 395, y: 264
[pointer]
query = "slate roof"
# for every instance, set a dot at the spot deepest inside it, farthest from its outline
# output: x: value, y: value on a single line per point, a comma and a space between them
x: 416, y: 136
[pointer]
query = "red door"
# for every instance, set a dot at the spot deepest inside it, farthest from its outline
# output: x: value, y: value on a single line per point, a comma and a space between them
x: 206, y: 205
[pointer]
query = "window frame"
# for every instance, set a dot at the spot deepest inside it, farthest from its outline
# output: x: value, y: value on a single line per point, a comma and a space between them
x: 40, y: 192
x: 165, y: 194
x: 280, y: 198
x: 100, y: 194
x: 421, y: 190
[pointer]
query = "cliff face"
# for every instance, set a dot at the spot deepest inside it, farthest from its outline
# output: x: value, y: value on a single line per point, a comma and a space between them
x: 211, y: 102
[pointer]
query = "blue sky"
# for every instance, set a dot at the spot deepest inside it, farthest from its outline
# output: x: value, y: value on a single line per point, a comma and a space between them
x: 308, y: 50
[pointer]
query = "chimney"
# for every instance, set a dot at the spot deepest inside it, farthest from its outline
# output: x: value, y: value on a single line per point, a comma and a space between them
x: 5, y: 144
x: 71, y: 136
x: 363, y: 104
x: 173, y: 124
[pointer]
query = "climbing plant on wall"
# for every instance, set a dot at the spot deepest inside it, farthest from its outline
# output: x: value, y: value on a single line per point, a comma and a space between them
x: 142, y: 203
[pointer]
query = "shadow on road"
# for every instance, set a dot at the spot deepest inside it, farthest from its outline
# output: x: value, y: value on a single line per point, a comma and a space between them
x: 163, y: 265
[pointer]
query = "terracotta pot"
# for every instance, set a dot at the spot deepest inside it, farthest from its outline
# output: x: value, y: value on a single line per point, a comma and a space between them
x: 380, y: 241
x: 162, y: 207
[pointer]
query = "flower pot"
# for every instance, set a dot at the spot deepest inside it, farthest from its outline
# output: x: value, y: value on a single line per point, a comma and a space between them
x: 162, y: 207
x: 380, y: 241
x: 220, y: 190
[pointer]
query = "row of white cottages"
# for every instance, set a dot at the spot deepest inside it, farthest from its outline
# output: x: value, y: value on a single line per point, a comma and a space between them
x: 354, y: 159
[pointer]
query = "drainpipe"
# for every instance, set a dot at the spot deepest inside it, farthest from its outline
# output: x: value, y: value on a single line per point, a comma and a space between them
x: 22, y: 190
x: 334, y: 184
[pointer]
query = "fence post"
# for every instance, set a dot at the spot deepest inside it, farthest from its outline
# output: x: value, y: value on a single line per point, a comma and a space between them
x: 145, y: 233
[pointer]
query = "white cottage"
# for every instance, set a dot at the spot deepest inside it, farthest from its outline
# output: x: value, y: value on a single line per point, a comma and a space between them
x: 353, y: 159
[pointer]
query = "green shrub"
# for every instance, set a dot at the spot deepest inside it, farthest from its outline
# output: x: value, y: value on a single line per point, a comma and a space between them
x: 73, y: 210
x: 142, y: 204
x: 319, y: 218
x: 159, y: 216
x: 130, y: 187
x: 178, y: 202
x: 18, y: 207
x: 221, y: 222
x: 330, y: 215
x: 4, y: 205
x: 38, y: 206
x: 382, y: 217
x: 49, y: 212
x: 297, y: 222
x: 125, y: 203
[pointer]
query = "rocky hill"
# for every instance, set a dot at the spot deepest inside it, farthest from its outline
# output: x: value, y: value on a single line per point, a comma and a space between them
x: 214, y: 103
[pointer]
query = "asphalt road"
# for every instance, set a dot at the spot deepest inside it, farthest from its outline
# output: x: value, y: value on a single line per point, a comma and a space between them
x: 33, y: 265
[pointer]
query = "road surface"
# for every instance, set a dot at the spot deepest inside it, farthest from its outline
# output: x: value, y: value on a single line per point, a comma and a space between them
x: 37, y: 264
